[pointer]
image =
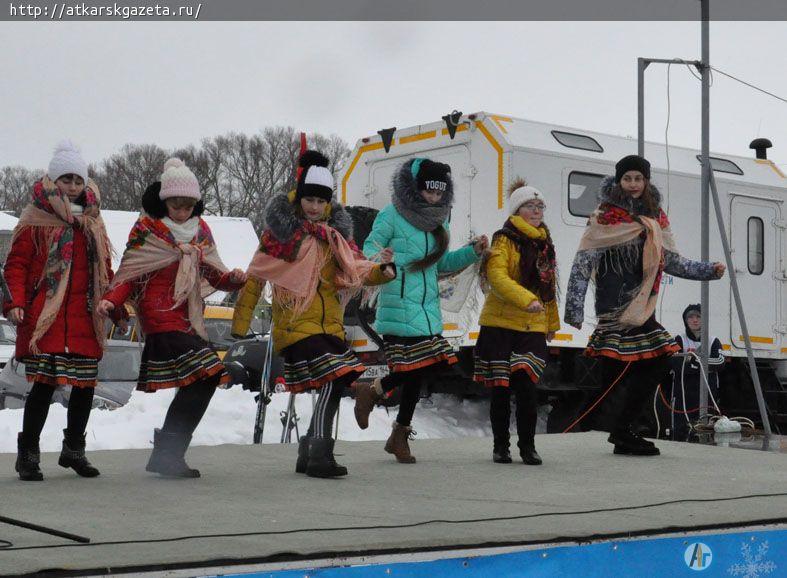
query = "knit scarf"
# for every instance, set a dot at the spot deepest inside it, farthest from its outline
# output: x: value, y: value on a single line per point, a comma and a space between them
x: 152, y: 246
x: 53, y: 221
x: 537, y: 262
x: 293, y: 267
x: 421, y: 214
x: 612, y: 228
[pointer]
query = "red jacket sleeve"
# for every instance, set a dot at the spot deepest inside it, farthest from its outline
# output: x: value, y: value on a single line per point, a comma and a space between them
x: 17, y: 265
x: 119, y: 295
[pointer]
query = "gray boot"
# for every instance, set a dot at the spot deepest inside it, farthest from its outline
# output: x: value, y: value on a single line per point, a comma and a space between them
x: 167, y: 457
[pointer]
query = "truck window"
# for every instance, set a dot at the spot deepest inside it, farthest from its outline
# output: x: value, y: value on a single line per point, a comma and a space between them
x: 582, y: 193
x: 755, y: 242
x: 577, y: 141
x: 722, y: 165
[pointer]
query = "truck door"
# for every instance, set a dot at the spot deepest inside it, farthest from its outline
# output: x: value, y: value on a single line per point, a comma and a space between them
x: 756, y: 257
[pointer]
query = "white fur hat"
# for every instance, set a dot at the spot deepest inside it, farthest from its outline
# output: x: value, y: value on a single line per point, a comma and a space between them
x: 67, y: 161
x: 522, y: 195
x: 178, y: 181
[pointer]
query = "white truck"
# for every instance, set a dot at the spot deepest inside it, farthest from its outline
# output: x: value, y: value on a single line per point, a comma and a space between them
x: 488, y: 151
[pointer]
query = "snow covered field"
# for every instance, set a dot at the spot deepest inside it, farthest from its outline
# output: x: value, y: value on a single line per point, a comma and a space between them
x: 230, y: 420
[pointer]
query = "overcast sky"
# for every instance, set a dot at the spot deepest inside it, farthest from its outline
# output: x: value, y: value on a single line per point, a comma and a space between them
x: 106, y: 84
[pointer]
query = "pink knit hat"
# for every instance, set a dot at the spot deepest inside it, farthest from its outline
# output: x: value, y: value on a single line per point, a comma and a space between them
x: 178, y: 181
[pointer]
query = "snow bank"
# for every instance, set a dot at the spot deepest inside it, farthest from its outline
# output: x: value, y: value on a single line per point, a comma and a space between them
x: 230, y: 419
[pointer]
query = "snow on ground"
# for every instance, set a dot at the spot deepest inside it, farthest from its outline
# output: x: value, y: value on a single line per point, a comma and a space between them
x: 230, y: 420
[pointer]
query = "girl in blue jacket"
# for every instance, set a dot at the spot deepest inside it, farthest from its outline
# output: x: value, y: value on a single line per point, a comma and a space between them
x: 415, y: 228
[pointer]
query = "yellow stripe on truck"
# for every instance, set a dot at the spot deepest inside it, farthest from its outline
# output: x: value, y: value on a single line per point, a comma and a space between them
x: 499, y: 150
x: 499, y: 120
x: 460, y: 128
x: 772, y: 165
x: 756, y: 339
x: 364, y: 149
x: 417, y: 137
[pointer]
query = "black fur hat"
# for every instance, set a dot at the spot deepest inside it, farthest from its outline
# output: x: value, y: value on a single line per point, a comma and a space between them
x: 632, y: 163
x: 156, y: 208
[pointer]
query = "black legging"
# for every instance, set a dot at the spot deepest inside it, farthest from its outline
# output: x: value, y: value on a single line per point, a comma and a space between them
x: 638, y: 385
x: 189, y: 405
x: 526, y: 410
x: 409, y: 383
x: 321, y: 424
x: 37, y: 409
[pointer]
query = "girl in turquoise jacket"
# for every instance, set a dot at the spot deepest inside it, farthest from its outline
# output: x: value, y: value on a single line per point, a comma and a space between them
x: 415, y: 228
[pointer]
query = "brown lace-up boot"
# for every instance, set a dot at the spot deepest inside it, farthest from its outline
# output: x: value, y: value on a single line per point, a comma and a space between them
x: 398, y: 445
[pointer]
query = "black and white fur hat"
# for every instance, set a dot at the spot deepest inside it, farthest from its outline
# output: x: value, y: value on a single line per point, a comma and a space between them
x: 316, y: 179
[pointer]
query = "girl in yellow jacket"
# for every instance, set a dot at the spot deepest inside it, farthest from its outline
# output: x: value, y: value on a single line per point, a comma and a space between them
x: 519, y: 317
x: 308, y: 255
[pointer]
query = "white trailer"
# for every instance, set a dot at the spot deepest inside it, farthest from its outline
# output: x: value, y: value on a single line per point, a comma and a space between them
x: 489, y: 151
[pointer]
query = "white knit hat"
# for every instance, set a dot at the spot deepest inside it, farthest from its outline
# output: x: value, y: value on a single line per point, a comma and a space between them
x: 178, y: 181
x: 522, y: 195
x: 67, y: 161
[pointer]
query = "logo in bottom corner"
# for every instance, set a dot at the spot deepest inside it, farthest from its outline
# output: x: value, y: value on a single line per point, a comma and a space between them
x: 698, y: 556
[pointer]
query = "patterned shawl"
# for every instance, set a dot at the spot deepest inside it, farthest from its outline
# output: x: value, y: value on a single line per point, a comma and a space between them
x: 616, y: 229
x: 151, y: 246
x: 294, y: 266
x: 50, y: 214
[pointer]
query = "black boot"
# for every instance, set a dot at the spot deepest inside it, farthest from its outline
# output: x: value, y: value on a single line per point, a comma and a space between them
x: 530, y: 456
x: 73, y: 455
x: 321, y: 463
x: 303, y: 455
x: 167, y: 457
x: 27, y: 459
x: 629, y: 444
x: 501, y: 454
x: 526, y: 418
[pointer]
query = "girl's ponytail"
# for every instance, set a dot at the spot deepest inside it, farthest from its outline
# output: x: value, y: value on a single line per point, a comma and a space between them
x: 441, y: 246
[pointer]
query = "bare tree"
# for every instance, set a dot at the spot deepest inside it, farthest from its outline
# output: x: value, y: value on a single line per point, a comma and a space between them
x: 124, y: 176
x: 16, y: 186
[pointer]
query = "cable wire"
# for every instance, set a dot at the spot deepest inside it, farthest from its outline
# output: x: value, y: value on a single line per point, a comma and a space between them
x: 414, y: 524
x: 728, y: 75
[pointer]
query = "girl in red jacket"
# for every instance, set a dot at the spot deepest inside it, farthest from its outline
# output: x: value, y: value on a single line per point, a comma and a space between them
x: 58, y: 264
x: 169, y: 261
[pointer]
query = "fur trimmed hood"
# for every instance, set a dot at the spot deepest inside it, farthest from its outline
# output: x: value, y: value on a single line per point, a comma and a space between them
x: 611, y: 193
x: 405, y: 188
x: 283, y: 220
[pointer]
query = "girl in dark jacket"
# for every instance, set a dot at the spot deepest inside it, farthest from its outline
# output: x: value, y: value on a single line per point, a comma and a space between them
x: 626, y: 247
x: 169, y: 265
x: 58, y: 265
x: 688, y: 378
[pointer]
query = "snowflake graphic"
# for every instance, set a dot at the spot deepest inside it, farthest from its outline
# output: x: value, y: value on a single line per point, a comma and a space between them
x: 753, y: 566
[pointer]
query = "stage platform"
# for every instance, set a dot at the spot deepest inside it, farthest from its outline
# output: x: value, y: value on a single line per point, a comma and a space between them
x: 251, y: 508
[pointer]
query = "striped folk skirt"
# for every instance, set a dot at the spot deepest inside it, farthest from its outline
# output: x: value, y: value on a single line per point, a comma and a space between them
x: 411, y: 353
x: 500, y: 352
x: 178, y: 359
x: 61, y: 369
x: 645, y: 342
x: 316, y: 360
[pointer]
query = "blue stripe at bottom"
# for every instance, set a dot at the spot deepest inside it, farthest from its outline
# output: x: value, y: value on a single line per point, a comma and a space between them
x: 755, y: 554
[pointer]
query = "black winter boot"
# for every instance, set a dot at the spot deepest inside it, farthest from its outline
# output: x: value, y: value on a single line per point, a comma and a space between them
x: 73, y: 455
x: 501, y: 455
x: 167, y: 457
x: 27, y: 459
x: 303, y: 455
x: 629, y: 444
x: 530, y: 456
x: 321, y: 463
